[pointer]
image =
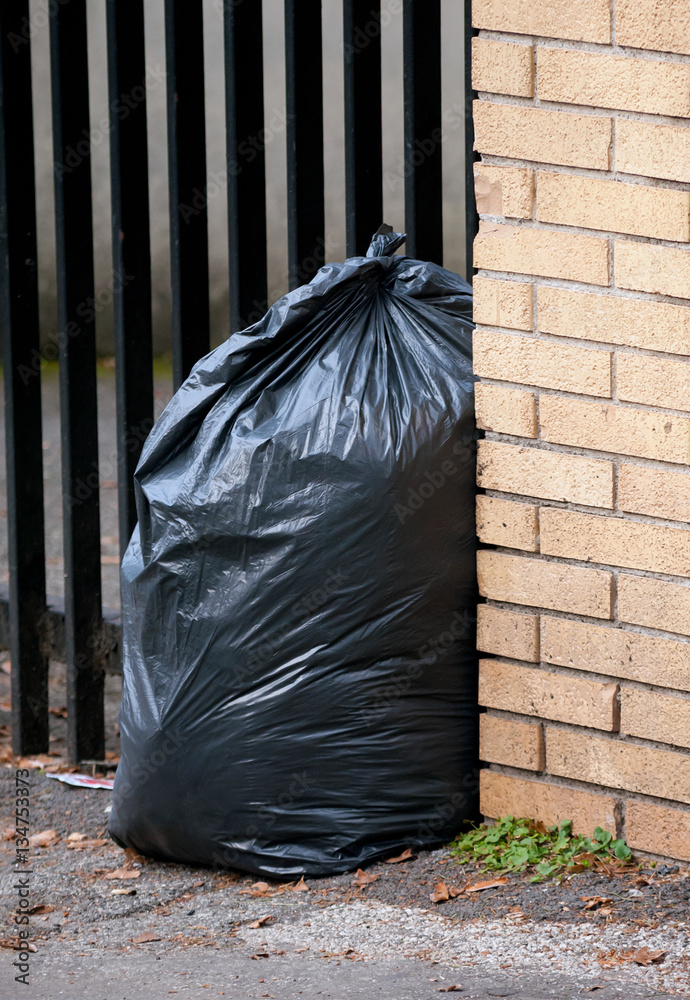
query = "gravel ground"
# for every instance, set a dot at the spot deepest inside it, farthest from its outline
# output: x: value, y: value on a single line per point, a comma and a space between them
x: 525, y: 939
x: 336, y: 939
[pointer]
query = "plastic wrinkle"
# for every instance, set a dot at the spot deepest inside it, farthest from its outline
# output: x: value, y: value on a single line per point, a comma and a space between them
x: 298, y: 595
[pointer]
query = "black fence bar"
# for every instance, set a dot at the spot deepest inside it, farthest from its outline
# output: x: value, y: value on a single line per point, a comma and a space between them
x: 423, y: 131
x: 184, y: 52
x: 363, y: 143
x: 131, y: 246
x: 78, y: 403
x: 471, y: 156
x: 22, y: 366
x: 246, y: 161
x: 304, y: 103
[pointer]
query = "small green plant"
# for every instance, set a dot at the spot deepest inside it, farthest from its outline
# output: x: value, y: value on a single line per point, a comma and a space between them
x: 517, y: 844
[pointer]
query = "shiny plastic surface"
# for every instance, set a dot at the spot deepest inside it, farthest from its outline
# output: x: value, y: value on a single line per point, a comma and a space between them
x: 298, y: 596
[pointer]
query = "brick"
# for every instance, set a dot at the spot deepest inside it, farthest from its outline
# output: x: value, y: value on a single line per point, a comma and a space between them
x: 542, y: 251
x: 524, y: 133
x: 617, y: 764
x: 503, y: 303
x: 657, y: 326
x: 655, y: 381
x: 542, y: 584
x: 529, y: 691
x: 615, y: 541
x: 615, y: 652
x: 654, y: 716
x: 504, y: 741
x: 502, y: 522
x: 506, y: 191
x: 506, y: 411
x: 654, y: 603
x: 508, y: 633
x: 608, y: 81
x: 550, y: 475
x: 501, y: 795
x: 653, y: 150
x: 502, y: 67
x: 654, y: 24
x: 658, y: 829
x: 624, y: 430
x: 583, y: 22
x: 541, y: 362
x: 613, y: 206
x: 645, y: 267
x: 655, y: 492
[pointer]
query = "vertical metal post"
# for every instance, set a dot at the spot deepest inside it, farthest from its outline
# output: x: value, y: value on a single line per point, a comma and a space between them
x: 423, y: 131
x: 363, y: 143
x: 184, y: 50
x: 78, y: 393
x: 246, y: 162
x: 471, y: 156
x: 22, y: 375
x: 304, y: 100
x: 131, y: 246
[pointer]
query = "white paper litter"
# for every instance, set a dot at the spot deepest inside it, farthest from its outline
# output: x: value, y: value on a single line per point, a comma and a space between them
x: 83, y: 780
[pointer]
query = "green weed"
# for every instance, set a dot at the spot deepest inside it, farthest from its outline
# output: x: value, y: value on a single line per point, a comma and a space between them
x: 517, y: 844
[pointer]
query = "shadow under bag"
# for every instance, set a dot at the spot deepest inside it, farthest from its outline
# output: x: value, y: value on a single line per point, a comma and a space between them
x: 298, y: 595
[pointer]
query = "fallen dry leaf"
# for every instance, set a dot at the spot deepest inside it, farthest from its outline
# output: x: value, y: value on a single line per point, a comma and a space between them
x: 594, y: 902
x: 36, y: 762
x: 39, y: 908
x: 46, y: 838
x: 9, y: 833
x: 124, y: 872
x: 478, y: 886
x: 133, y: 856
x: 257, y: 889
x: 301, y: 886
x: 123, y: 892
x: 255, y: 924
x: 448, y: 989
x: 440, y: 894
x: 406, y: 855
x: 60, y: 713
x: 78, y: 845
x: 77, y: 836
x: 146, y: 937
x: 643, y: 956
x: 363, y: 878
x: 260, y: 954
x: 14, y: 943
x: 646, y: 957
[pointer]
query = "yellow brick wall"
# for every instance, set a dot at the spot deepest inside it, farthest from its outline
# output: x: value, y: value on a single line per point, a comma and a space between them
x: 582, y: 351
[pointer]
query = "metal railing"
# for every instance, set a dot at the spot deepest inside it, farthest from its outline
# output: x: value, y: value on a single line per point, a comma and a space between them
x: 87, y: 640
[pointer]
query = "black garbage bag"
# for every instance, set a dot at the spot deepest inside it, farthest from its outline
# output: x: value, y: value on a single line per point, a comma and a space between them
x: 299, y: 666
